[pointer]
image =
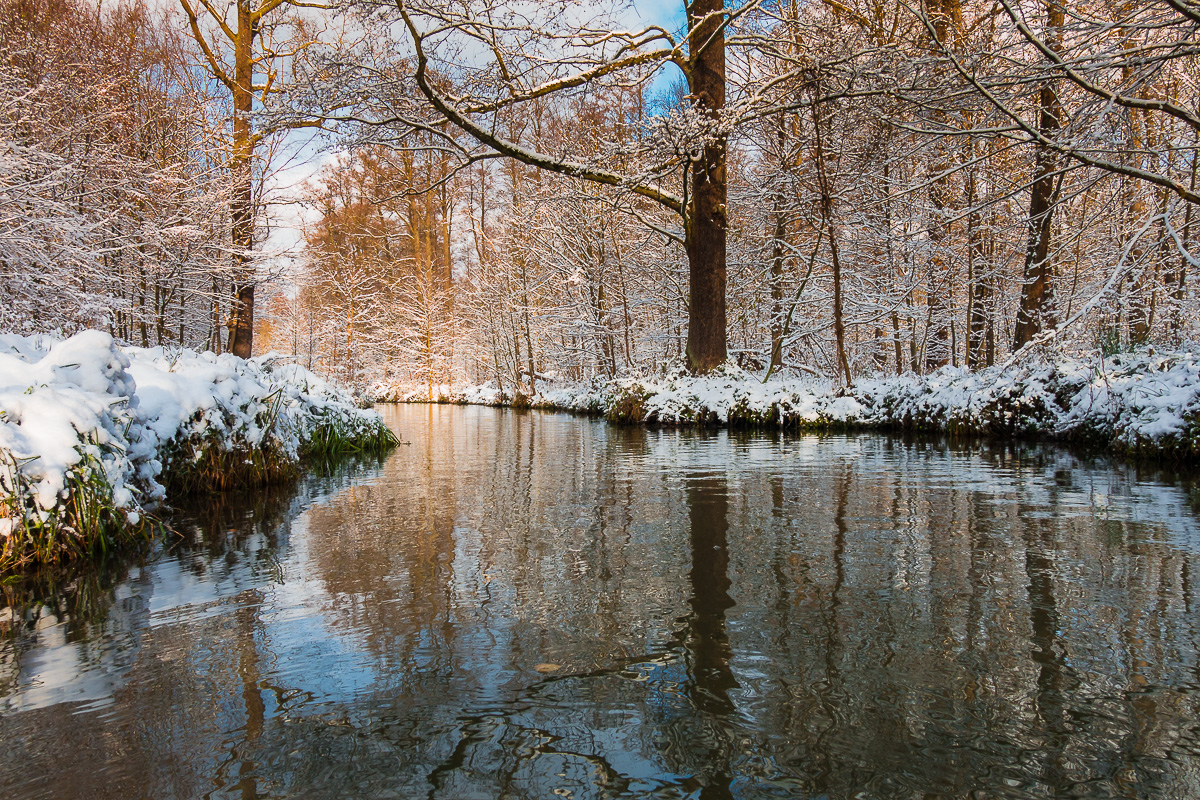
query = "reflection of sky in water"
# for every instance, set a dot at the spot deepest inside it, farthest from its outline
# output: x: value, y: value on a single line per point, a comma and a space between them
x: 321, y: 661
x: 899, y: 617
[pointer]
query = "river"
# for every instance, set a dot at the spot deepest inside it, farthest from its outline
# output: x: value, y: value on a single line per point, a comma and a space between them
x: 536, y: 605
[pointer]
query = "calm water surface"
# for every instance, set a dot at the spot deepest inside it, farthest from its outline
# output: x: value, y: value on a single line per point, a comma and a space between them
x: 539, y: 606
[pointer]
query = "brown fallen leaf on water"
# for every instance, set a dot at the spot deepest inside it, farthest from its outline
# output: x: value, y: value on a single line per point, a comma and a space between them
x: 548, y: 667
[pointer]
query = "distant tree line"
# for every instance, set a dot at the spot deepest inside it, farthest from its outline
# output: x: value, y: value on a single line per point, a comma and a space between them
x: 840, y: 187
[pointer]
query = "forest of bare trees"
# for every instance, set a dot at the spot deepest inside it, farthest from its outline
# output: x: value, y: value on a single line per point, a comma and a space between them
x: 513, y: 193
x: 110, y: 193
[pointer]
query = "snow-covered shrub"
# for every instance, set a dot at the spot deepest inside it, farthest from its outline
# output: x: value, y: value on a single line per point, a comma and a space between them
x: 89, y: 433
x: 625, y: 404
x: 1142, y: 403
x: 327, y: 419
x: 1023, y: 399
x: 77, y: 466
x: 224, y: 421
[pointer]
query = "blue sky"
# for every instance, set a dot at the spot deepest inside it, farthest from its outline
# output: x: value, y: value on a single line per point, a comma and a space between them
x: 667, y: 13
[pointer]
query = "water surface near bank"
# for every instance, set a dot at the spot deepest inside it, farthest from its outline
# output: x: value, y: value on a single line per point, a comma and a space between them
x: 539, y: 605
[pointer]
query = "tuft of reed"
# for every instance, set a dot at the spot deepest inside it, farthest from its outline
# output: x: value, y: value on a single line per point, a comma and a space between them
x: 209, y: 465
x: 86, y: 523
x: 338, y: 435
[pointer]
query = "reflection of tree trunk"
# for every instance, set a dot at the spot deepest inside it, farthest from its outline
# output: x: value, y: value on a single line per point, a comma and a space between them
x: 247, y: 649
x: 1052, y: 668
x: 833, y: 629
x: 712, y: 678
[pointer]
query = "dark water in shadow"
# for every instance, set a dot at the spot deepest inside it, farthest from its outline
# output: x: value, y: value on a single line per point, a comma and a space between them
x: 539, y: 606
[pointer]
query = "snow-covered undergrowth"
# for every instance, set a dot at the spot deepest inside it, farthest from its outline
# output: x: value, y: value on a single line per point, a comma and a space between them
x: 1145, y: 404
x: 92, y: 435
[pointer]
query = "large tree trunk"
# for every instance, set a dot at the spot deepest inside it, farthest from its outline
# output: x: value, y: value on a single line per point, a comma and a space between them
x: 1037, y: 293
x: 776, y: 280
x: 242, y: 202
x: 706, y: 223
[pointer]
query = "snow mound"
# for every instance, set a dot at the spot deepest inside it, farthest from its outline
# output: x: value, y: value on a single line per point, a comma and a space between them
x: 195, y: 402
x: 69, y: 418
x: 90, y: 432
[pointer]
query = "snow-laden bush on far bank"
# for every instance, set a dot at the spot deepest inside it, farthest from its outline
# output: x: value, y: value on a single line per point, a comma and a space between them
x: 1145, y: 403
x: 93, y: 435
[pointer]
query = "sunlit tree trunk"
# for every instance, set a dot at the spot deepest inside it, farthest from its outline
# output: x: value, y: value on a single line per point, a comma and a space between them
x: 242, y: 167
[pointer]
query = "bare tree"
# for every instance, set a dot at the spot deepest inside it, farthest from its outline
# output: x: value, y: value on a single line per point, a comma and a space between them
x: 244, y: 41
x: 508, y: 61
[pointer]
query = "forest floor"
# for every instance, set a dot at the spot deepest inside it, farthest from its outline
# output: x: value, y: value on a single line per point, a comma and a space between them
x: 1142, y: 404
x: 93, y: 436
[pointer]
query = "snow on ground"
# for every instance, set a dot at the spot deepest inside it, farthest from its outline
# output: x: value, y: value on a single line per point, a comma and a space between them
x: 1142, y: 402
x: 200, y: 398
x: 85, y: 412
x: 66, y: 415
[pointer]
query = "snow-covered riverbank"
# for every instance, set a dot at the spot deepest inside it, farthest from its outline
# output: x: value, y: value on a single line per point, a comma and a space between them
x: 93, y: 436
x: 1145, y: 404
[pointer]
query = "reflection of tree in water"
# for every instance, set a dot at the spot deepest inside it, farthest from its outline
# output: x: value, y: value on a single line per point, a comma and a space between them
x: 76, y: 596
x: 176, y: 681
x: 916, y: 657
x: 704, y: 749
x: 947, y: 653
x: 854, y: 616
x: 80, y: 597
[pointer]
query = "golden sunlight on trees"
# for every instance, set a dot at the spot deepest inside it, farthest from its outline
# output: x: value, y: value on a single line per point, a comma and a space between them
x: 243, y: 43
x: 841, y: 189
x: 376, y: 293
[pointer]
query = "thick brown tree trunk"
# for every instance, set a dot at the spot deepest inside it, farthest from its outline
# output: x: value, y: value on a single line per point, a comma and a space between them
x: 706, y: 223
x: 242, y: 202
x: 1036, y: 313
